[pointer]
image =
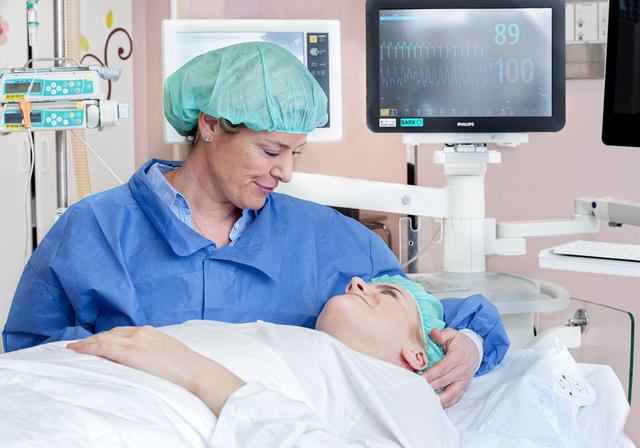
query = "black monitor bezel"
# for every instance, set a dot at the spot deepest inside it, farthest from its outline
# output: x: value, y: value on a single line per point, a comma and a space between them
x: 481, y: 124
x: 617, y: 129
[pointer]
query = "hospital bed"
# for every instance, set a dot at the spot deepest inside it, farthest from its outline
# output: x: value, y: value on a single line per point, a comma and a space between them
x: 53, y: 397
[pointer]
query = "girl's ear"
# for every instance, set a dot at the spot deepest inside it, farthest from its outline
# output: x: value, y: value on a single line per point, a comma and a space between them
x: 415, y: 357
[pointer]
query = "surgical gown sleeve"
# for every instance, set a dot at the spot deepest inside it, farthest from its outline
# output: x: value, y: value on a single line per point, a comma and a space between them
x: 41, y: 311
x: 255, y: 416
x: 478, y: 314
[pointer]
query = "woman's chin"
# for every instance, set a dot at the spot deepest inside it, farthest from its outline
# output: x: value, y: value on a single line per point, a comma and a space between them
x: 253, y: 202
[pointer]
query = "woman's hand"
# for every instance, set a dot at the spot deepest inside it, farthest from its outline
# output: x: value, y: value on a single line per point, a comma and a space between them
x: 149, y: 350
x: 455, y: 372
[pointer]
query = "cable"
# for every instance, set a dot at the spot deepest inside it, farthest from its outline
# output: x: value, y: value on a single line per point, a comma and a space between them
x: 99, y: 158
x: 27, y: 197
x: 424, y: 249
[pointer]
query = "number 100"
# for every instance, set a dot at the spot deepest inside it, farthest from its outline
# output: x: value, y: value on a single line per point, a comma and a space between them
x: 513, y: 70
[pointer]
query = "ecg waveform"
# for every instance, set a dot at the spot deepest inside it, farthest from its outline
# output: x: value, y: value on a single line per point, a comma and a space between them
x: 430, y: 50
x: 459, y: 76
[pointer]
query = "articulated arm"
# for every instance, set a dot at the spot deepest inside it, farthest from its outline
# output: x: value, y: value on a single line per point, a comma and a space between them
x: 613, y: 210
x: 368, y: 195
x: 588, y: 211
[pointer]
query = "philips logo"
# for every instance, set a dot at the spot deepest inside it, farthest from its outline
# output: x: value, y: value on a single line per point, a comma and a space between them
x: 465, y: 124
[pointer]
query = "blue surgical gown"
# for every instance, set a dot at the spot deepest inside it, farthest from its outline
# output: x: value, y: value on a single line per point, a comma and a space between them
x: 122, y: 257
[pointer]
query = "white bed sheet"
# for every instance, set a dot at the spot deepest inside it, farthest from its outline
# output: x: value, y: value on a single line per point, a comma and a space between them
x: 52, y: 397
x: 49, y: 400
x: 542, y: 398
x: 305, y: 389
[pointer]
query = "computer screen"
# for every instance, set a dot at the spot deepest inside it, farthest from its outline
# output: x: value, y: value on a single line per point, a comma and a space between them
x: 316, y: 43
x: 465, y: 66
x: 621, y: 111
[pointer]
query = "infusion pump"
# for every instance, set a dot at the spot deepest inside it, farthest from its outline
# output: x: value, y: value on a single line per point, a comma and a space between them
x: 57, y: 98
x: 51, y: 86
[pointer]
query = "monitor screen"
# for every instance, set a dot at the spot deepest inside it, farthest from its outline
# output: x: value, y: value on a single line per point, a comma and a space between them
x: 621, y: 112
x: 22, y: 87
x: 316, y: 43
x: 455, y: 66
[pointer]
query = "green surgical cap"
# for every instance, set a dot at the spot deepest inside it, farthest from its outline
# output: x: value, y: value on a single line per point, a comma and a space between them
x: 258, y: 84
x: 431, y: 313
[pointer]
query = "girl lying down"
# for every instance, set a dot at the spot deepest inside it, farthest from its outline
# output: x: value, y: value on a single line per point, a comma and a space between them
x: 351, y: 384
x: 276, y: 385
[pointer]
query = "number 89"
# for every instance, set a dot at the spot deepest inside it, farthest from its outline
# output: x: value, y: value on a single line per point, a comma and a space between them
x: 513, y: 30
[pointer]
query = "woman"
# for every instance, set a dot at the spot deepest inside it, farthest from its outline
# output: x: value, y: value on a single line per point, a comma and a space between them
x: 207, y: 238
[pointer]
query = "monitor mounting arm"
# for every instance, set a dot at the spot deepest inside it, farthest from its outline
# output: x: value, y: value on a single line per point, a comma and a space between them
x: 613, y: 210
x: 587, y: 214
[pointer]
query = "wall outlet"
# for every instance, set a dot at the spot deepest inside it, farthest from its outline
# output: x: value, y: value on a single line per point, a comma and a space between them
x: 586, y: 33
x: 586, y: 22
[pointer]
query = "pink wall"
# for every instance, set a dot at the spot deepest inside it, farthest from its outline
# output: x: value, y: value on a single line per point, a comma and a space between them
x: 147, y: 45
x: 539, y: 180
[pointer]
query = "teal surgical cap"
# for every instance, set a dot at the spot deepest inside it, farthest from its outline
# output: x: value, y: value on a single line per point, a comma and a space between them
x: 258, y: 84
x: 431, y: 312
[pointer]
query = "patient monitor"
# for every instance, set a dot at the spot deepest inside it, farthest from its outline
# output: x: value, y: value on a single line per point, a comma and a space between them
x: 621, y: 111
x: 316, y: 43
x: 465, y: 66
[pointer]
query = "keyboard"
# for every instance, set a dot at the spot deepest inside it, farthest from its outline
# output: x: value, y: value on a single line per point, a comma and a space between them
x: 597, y: 249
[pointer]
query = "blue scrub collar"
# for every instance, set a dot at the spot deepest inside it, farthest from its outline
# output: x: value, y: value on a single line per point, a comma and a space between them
x: 257, y: 247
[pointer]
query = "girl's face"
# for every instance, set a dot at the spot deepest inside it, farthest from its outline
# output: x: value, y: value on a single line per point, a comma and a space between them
x: 375, y: 319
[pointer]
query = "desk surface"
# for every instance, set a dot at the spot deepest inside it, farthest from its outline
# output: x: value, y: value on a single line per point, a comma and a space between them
x: 549, y: 260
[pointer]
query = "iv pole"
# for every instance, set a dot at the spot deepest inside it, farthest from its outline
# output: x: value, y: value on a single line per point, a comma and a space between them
x: 61, y: 140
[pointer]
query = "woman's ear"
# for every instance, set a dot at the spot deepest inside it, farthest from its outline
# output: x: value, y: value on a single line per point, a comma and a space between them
x: 207, y: 124
x: 415, y: 357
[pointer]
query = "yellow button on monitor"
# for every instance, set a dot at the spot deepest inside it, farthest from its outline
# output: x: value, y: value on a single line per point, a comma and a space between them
x: 313, y: 39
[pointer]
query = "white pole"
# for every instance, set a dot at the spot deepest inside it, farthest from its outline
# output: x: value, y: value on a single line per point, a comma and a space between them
x: 464, y: 229
x: 61, y: 137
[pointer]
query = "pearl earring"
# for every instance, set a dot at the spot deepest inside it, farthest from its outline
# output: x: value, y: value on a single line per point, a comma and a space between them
x: 207, y: 138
